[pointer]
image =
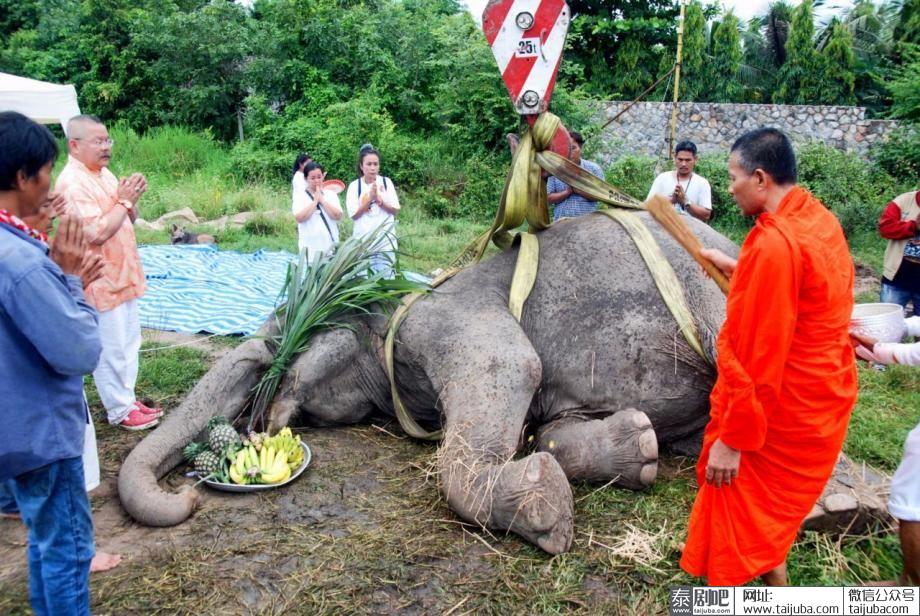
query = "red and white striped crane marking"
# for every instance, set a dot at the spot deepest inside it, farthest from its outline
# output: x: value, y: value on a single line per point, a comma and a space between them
x: 527, y: 37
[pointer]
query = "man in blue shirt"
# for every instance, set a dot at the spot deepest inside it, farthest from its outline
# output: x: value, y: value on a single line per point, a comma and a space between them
x: 49, y: 336
x: 566, y: 201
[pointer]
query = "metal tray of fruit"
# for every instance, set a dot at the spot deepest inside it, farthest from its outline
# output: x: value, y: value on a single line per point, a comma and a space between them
x: 258, y: 487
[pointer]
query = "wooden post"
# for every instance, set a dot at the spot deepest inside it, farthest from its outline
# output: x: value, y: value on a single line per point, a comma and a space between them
x: 680, y: 51
x: 239, y: 123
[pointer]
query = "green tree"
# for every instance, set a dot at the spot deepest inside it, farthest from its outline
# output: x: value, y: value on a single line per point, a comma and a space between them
x: 695, y: 65
x: 800, y: 75
x: 907, y: 29
x: 619, y: 44
x: 195, y: 80
x: 777, y: 22
x: 18, y: 15
x: 725, y: 83
x: 905, y: 88
x: 838, y: 64
x: 871, y: 27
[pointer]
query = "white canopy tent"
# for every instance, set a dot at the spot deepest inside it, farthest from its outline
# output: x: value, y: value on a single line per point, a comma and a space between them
x: 48, y: 103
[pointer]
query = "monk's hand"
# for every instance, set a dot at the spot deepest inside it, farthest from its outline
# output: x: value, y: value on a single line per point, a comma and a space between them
x: 721, y: 260
x: 723, y: 464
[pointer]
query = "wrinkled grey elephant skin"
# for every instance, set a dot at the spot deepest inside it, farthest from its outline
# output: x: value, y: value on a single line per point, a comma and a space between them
x: 596, y: 371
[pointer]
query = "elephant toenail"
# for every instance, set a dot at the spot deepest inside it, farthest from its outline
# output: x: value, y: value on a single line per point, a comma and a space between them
x: 641, y: 420
x: 648, y: 473
x: 648, y: 445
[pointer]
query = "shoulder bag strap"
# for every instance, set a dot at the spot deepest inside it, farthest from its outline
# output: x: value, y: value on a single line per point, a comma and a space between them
x: 319, y: 208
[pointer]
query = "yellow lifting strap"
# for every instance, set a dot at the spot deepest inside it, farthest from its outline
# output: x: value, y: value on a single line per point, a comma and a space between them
x: 523, y: 198
x: 409, y: 425
x: 663, y: 274
x: 525, y: 274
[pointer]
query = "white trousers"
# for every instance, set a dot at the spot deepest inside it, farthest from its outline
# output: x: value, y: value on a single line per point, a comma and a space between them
x: 91, y: 473
x: 904, y: 502
x: 116, y: 374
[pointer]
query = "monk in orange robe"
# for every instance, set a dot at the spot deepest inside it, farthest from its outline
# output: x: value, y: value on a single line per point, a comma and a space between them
x: 787, y: 376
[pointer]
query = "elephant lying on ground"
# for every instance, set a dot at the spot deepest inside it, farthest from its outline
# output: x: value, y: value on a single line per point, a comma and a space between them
x: 596, y: 370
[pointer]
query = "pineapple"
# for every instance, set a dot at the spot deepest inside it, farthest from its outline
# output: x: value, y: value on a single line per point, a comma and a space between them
x: 205, y: 462
x: 221, y: 435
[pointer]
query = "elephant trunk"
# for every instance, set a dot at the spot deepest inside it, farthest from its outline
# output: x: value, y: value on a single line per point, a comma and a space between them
x: 224, y: 390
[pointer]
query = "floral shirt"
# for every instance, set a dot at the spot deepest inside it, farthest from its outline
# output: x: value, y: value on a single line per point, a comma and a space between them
x: 91, y: 195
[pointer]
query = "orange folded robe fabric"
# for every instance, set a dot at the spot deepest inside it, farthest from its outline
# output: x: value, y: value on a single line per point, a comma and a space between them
x: 786, y: 387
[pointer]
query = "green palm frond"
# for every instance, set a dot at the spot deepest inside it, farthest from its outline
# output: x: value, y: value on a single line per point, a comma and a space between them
x: 321, y: 294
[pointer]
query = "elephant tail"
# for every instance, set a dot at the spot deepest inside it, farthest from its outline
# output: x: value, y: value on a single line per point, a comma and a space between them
x: 224, y: 390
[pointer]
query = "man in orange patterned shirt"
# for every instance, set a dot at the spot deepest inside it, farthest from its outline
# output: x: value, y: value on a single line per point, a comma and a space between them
x: 108, y: 208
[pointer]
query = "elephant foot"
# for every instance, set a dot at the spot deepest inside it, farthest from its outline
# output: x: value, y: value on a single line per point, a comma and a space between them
x: 622, y: 447
x: 533, y: 498
x: 530, y: 497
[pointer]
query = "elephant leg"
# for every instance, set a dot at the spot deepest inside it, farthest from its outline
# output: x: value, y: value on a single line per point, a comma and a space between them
x: 493, y: 374
x: 621, y: 447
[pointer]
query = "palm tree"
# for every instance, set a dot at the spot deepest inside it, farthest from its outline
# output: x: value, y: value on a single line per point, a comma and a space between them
x: 872, y: 29
x: 776, y: 25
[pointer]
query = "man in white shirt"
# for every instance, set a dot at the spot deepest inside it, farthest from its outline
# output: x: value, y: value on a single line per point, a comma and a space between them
x: 689, y: 192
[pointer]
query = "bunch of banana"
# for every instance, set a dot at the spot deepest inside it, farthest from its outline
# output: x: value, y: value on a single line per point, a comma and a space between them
x: 274, y: 465
x: 244, y: 468
x: 264, y: 466
x: 290, y: 444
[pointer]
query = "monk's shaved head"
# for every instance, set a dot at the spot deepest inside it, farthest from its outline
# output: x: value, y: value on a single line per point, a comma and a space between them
x: 768, y: 149
x: 78, y: 126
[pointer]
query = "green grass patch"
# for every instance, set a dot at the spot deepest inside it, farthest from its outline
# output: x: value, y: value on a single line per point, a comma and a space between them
x: 887, y: 409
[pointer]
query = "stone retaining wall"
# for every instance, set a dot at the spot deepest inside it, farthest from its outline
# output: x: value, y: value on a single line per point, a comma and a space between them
x: 644, y: 128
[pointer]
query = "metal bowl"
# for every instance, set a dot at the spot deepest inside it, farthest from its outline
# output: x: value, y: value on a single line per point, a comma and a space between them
x: 258, y: 487
x: 884, y: 322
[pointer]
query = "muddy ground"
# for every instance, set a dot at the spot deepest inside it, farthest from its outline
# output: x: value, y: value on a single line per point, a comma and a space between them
x: 364, y: 530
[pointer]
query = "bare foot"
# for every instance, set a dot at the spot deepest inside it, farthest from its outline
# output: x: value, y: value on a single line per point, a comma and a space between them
x: 103, y: 561
x: 10, y: 516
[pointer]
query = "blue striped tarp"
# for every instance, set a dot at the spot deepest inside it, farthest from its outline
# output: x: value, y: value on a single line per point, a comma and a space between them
x: 194, y: 289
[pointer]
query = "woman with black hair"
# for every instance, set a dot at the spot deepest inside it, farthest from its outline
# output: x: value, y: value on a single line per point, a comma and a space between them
x: 373, y: 203
x: 317, y: 212
x: 298, y: 180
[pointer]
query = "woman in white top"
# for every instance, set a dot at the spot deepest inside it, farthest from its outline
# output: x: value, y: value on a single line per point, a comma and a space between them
x: 372, y: 203
x: 317, y: 212
x: 298, y: 182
